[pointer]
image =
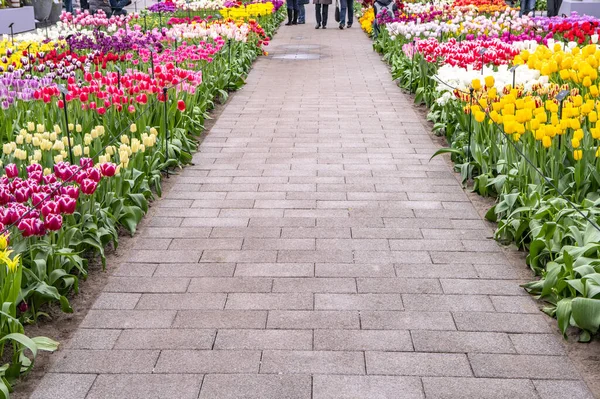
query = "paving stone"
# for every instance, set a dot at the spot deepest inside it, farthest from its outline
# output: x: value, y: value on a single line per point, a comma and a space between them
x: 187, y: 301
x: 389, y: 233
x: 220, y: 319
x: 231, y: 284
x: 135, y: 270
x: 501, y: 322
x: 351, y: 244
x: 418, y: 364
x: 312, y: 362
x: 128, y: 319
x: 483, y: 388
x: 316, y: 232
x: 148, y: 256
x: 178, y: 232
x: 64, y: 386
x: 319, y: 284
x: 514, y: 304
x: 333, y: 256
x: 195, y: 270
x: 537, y: 344
x: 142, y: 386
x: 269, y: 301
x: 206, y: 243
x: 390, y: 320
x: 152, y: 243
x: 146, y: 284
x: 435, y: 271
x: 461, y: 342
x: 214, y: 222
x: 305, y: 319
x: 275, y: 269
x: 522, y: 366
x: 439, y: 303
x: 264, y: 339
x: 238, y: 256
x: 362, y: 340
x: 503, y: 272
x: 207, y: 361
x: 90, y: 338
x: 562, y: 389
x: 465, y: 257
x: 373, y: 387
x: 483, y: 287
x: 166, y: 339
x: 399, y: 285
x: 392, y: 256
x: 109, y: 300
x: 354, y: 270
x: 105, y: 361
x: 252, y: 386
x: 358, y: 302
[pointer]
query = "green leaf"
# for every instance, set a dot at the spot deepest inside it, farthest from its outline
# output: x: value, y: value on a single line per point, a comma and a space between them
x: 563, y: 314
x: 448, y: 151
x: 586, y: 313
x: 45, y: 344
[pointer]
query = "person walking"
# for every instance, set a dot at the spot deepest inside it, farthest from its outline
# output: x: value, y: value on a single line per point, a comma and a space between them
x: 554, y: 7
x: 292, y: 11
x: 527, y: 6
x: 346, y: 5
x: 302, y: 11
x: 322, y: 11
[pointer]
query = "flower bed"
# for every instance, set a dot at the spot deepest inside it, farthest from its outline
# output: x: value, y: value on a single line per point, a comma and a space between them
x: 94, y: 112
x: 517, y: 99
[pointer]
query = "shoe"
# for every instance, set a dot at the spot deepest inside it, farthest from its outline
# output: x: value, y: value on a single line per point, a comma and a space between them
x: 342, y: 26
x: 318, y: 26
x: 295, y: 18
x: 288, y: 24
x: 348, y: 26
x: 289, y: 16
x: 324, y: 27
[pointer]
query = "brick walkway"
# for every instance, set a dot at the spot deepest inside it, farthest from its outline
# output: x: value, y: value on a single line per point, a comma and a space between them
x: 313, y: 251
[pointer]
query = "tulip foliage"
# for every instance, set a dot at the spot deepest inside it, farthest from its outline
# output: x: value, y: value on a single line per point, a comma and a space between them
x: 517, y: 99
x: 94, y: 112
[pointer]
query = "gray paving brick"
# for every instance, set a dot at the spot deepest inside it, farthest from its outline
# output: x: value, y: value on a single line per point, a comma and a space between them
x: 135, y: 270
x: 312, y: 362
x: 316, y: 232
x: 142, y: 386
x: 318, y: 284
x: 198, y: 244
x: 306, y: 319
x: 175, y: 232
x: 358, y: 302
x: 152, y: 243
x: 207, y: 361
x: 166, y: 339
x: 231, y: 284
x: 392, y: 256
x: 264, y: 339
x: 439, y: 303
x: 251, y: 386
x: 128, y: 319
x: 399, y: 285
x: 501, y: 322
x: 195, y: 270
x: 187, y: 301
x: 435, y: 271
x: 391, y: 320
x: 220, y: 319
x: 461, y: 342
x: 90, y: 338
x: 484, y: 388
x: 537, y: 344
x: 503, y: 272
x: 105, y: 361
x: 64, y: 386
x: 375, y: 387
x: 514, y: 304
x: 562, y: 389
x: 482, y: 287
x: 325, y: 256
x: 149, y: 256
x: 109, y: 300
x: 418, y: 364
x: 270, y: 301
x: 354, y: 270
x: 245, y: 256
x: 146, y: 284
x: 275, y: 269
x: 362, y: 340
x: 465, y: 257
x: 246, y: 232
x: 522, y: 366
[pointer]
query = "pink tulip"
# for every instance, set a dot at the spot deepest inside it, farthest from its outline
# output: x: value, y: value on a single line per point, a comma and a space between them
x: 88, y: 186
x: 67, y: 205
x: 53, y: 222
x: 11, y: 170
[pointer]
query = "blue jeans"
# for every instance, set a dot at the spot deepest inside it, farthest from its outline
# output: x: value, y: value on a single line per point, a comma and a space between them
x: 349, y: 6
x: 526, y: 7
x: 301, y: 13
x: 292, y: 4
x: 68, y: 5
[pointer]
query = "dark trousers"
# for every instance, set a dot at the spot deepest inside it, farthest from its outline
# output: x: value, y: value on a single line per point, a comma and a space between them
x: 553, y: 7
x: 349, y: 6
x: 322, y: 11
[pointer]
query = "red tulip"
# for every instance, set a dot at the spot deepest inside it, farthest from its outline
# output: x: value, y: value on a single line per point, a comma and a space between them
x: 53, y: 222
x: 50, y: 207
x: 88, y: 186
x: 67, y: 205
x: 181, y: 105
x: 108, y: 169
x: 11, y: 170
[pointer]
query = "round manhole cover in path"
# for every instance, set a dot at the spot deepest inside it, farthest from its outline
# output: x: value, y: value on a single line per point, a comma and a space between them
x: 297, y: 56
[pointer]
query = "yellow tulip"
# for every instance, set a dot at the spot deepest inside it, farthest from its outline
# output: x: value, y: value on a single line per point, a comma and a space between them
x: 489, y: 81
x: 577, y: 155
x: 476, y: 84
x: 546, y: 141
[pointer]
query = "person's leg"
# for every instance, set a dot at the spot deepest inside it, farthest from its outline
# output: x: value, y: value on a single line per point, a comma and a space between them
x: 325, y: 14
x: 68, y: 5
x: 318, y: 15
x: 290, y: 11
x: 301, y: 13
x: 343, y: 8
x: 296, y: 11
x: 531, y: 6
x: 350, y: 4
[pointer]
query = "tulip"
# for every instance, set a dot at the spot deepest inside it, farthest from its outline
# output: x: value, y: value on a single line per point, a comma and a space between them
x: 53, y: 222
x: 50, y: 207
x: 11, y: 170
x: 181, y: 105
x: 88, y: 186
x: 108, y: 169
x: 67, y: 205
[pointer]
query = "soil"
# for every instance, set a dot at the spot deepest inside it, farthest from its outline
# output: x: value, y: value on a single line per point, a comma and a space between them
x: 61, y: 326
x: 584, y: 356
